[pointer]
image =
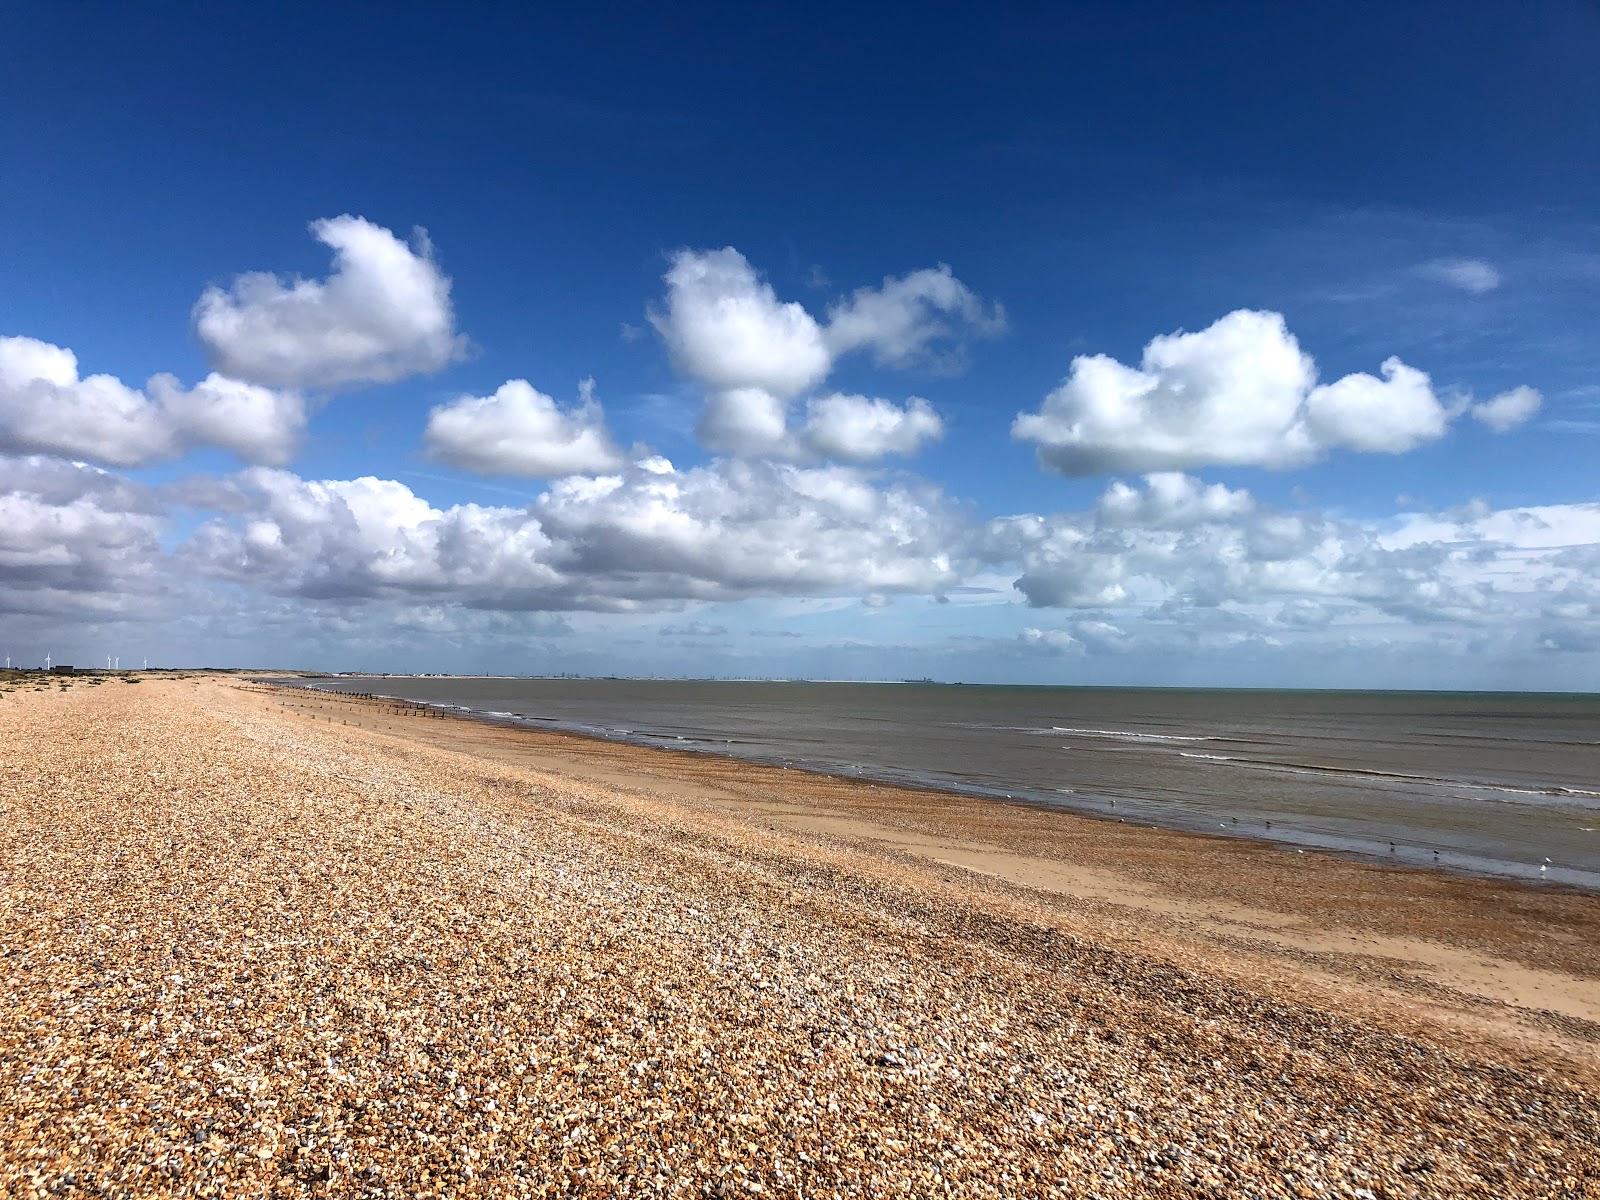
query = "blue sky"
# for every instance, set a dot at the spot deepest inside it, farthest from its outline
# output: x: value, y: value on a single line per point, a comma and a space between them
x: 1047, y: 347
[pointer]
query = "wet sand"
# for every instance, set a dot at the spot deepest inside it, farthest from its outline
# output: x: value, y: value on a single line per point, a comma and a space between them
x: 264, y: 942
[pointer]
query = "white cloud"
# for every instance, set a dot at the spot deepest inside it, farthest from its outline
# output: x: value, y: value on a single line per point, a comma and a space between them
x: 1508, y: 410
x: 1160, y: 566
x: 1080, y: 639
x: 1539, y: 527
x: 521, y: 431
x: 45, y: 407
x: 751, y: 423
x: 1231, y: 393
x: 1162, y: 558
x: 1170, y: 500
x: 746, y: 421
x: 383, y: 313
x: 900, y: 321
x: 1376, y: 416
x: 738, y: 528
x: 364, y: 537
x: 726, y: 328
x: 861, y: 429
x: 76, y: 541
x: 1157, y: 554
x: 1051, y: 641
x: 258, y: 424
x: 1102, y: 635
x: 648, y: 536
x: 1469, y: 274
x: 1240, y: 392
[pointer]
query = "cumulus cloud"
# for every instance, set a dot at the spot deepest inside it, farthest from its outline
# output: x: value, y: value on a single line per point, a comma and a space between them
x: 75, y: 540
x: 738, y: 528
x: 726, y: 328
x: 1163, y: 553
x: 1161, y: 564
x: 1241, y: 554
x: 1376, y: 416
x: 258, y: 424
x: 1102, y: 635
x: 752, y: 423
x: 1508, y: 410
x: 861, y: 429
x: 1051, y: 641
x: 1240, y: 392
x: 746, y: 421
x: 1469, y: 274
x: 900, y: 321
x: 1178, y: 556
x: 1170, y: 500
x: 521, y: 431
x: 646, y: 536
x: 46, y: 407
x: 1082, y: 637
x: 382, y: 314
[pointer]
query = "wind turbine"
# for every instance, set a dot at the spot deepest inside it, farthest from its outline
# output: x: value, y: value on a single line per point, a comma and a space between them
x: 46, y: 662
x: 119, y: 662
x: 146, y: 666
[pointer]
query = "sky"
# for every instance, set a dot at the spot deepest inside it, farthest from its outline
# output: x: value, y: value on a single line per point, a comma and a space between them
x: 1141, y: 344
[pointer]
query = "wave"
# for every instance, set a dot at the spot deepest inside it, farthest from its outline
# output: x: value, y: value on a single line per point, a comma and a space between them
x: 1128, y: 735
x: 1581, y: 795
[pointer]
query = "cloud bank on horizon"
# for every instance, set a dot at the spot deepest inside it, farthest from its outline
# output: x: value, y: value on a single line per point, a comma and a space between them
x: 805, y: 501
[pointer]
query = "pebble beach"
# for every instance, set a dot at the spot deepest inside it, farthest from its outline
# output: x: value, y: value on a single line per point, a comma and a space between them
x: 251, y: 949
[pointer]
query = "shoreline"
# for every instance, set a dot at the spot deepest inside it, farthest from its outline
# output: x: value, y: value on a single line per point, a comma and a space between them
x: 1414, y: 859
x: 1480, y: 943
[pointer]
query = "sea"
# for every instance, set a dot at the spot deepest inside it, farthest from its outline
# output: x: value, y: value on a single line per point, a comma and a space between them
x: 1497, y: 784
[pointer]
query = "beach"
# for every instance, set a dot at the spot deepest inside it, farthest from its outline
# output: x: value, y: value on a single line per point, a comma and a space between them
x: 267, y: 942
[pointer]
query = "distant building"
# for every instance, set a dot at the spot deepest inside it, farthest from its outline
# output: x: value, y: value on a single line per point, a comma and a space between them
x: 63, y: 669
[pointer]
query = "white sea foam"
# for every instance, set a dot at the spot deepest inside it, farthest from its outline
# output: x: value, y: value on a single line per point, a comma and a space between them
x: 1128, y: 735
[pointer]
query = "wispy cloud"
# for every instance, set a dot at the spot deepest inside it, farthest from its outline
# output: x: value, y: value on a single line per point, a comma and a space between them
x: 1469, y: 274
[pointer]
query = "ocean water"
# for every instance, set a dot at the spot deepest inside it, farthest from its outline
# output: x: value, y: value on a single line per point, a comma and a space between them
x: 1486, y: 783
